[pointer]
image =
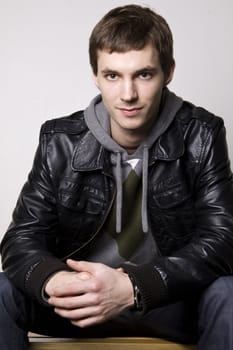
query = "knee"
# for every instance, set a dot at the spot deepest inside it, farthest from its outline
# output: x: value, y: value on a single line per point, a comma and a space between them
x: 5, y: 284
x: 13, y: 306
x: 12, y: 300
x: 222, y: 287
x: 219, y: 294
x: 7, y: 290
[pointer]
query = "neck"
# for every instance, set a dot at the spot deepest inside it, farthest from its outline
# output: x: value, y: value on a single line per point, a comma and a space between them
x: 128, y: 141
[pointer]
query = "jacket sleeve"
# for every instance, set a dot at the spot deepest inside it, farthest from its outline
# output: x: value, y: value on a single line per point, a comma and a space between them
x: 209, y: 254
x: 28, y: 247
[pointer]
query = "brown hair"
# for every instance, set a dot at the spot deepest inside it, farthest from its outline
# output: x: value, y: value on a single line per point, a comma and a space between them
x: 132, y: 27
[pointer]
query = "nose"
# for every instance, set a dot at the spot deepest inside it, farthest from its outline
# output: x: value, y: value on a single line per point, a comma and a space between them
x: 129, y: 91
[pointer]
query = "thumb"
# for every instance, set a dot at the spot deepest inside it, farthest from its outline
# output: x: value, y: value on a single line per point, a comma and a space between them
x: 81, y: 266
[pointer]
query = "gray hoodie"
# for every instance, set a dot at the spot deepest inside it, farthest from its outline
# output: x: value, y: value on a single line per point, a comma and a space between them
x: 126, y: 168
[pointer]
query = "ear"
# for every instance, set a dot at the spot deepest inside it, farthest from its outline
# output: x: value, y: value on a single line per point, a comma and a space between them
x: 95, y: 79
x: 170, y: 75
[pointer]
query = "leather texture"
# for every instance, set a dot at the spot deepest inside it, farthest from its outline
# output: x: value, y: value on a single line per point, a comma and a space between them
x: 70, y: 190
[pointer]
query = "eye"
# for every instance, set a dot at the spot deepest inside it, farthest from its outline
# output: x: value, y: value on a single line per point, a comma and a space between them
x: 111, y: 76
x: 145, y: 75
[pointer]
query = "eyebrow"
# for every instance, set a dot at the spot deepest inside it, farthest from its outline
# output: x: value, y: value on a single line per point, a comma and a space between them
x: 108, y: 70
x: 148, y: 68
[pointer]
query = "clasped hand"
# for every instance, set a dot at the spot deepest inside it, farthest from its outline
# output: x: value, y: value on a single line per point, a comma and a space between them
x: 91, y: 293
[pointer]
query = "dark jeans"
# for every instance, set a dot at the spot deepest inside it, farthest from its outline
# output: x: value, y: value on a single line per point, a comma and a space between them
x: 212, y: 314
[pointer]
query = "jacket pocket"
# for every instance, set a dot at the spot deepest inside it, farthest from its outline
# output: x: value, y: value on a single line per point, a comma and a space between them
x: 83, y: 197
x: 172, y: 192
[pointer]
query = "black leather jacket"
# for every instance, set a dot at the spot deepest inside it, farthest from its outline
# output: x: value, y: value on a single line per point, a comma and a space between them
x: 70, y: 190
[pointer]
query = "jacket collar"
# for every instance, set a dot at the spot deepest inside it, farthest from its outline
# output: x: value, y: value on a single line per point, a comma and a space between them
x: 170, y: 145
x: 90, y: 155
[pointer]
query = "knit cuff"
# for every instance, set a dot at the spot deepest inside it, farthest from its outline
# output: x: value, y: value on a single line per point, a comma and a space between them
x: 38, y: 275
x: 151, y: 286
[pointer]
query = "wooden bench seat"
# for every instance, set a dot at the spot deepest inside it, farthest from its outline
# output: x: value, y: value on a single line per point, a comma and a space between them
x: 121, y: 343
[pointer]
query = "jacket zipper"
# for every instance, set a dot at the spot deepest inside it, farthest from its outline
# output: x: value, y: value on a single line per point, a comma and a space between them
x: 98, y: 230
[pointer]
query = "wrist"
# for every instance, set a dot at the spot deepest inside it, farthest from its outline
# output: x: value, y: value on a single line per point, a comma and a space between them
x: 137, y: 296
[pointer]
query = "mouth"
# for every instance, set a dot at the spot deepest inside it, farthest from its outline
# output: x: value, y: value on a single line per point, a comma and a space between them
x: 132, y: 111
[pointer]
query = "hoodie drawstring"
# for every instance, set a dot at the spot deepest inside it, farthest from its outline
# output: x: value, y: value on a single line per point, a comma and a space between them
x: 98, y: 121
x: 145, y: 189
x: 119, y: 193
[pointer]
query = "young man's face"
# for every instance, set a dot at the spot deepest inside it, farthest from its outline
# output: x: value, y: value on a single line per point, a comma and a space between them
x: 131, y: 85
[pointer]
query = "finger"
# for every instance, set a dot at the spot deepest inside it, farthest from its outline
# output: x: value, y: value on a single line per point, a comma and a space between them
x: 74, y: 287
x: 75, y: 302
x: 73, y: 264
x: 83, y: 266
x: 79, y: 314
x: 90, y: 321
x: 120, y: 269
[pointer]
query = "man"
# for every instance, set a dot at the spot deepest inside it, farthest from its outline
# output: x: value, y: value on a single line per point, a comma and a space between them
x: 125, y: 224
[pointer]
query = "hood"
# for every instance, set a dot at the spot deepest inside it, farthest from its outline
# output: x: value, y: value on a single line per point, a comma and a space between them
x: 97, y: 120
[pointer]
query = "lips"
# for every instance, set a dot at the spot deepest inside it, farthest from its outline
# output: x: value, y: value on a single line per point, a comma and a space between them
x: 130, y: 112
